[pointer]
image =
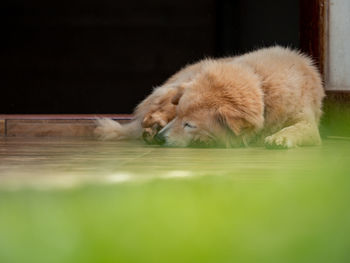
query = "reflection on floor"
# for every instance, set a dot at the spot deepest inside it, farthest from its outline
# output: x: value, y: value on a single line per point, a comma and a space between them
x: 66, y: 162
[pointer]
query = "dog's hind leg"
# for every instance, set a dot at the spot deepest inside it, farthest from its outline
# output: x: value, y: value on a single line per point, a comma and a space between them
x: 108, y: 129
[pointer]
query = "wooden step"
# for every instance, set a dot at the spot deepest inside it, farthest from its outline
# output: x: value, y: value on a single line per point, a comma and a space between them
x: 56, y: 125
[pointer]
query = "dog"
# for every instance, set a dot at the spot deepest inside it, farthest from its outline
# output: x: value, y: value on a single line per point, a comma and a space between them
x: 271, y: 96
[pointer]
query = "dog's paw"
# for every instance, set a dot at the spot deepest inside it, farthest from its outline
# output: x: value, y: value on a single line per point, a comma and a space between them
x: 154, y: 119
x: 148, y: 135
x: 153, y: 123
x: 108, y: 129
x: 279, y: 141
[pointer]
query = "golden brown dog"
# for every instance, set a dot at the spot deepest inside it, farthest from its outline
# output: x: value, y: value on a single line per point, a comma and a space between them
x: 271, y: 96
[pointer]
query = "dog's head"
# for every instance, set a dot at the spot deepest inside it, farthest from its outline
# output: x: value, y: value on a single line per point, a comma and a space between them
x: 221, y: 107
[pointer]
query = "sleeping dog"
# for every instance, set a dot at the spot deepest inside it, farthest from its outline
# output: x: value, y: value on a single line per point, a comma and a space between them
x: 271, y: 96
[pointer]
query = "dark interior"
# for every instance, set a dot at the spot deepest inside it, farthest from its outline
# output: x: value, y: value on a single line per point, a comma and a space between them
x: 105, y: 56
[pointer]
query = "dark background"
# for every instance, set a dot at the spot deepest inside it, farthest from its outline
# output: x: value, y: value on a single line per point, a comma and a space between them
x: 105, y: 56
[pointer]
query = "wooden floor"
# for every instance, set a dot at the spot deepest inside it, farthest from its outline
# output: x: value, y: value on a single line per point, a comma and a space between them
x: 67, y: 162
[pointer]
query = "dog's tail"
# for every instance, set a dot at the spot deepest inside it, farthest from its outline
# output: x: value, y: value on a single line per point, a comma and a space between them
x: 108, y: 129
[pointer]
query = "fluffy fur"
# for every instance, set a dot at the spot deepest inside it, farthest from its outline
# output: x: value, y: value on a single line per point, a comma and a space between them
x: 271, y: 96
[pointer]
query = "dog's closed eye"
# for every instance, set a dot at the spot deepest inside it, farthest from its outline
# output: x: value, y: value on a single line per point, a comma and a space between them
x: 189, y: 125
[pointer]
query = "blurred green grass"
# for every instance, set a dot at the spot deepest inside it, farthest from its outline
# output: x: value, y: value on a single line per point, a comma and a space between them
x: 292, y: 214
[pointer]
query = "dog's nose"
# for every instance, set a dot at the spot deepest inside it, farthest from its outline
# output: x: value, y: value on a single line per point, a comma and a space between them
x: 159, y: 138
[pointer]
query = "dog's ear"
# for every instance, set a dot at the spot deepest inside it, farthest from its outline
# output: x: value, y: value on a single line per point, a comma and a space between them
x: 239, y: 120
x: 178, y: 95
x: 238, y: 97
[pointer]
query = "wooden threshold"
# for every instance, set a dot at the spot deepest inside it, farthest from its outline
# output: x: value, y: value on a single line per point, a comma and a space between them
x: 63, y: 116
x: 53, y: 125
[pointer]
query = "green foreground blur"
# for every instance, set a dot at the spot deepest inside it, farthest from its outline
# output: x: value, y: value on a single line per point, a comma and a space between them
x: 214, y: 205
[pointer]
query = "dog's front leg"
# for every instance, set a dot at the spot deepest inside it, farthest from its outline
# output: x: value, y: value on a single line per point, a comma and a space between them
x: 302, y: 133
x: 156, y: 112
